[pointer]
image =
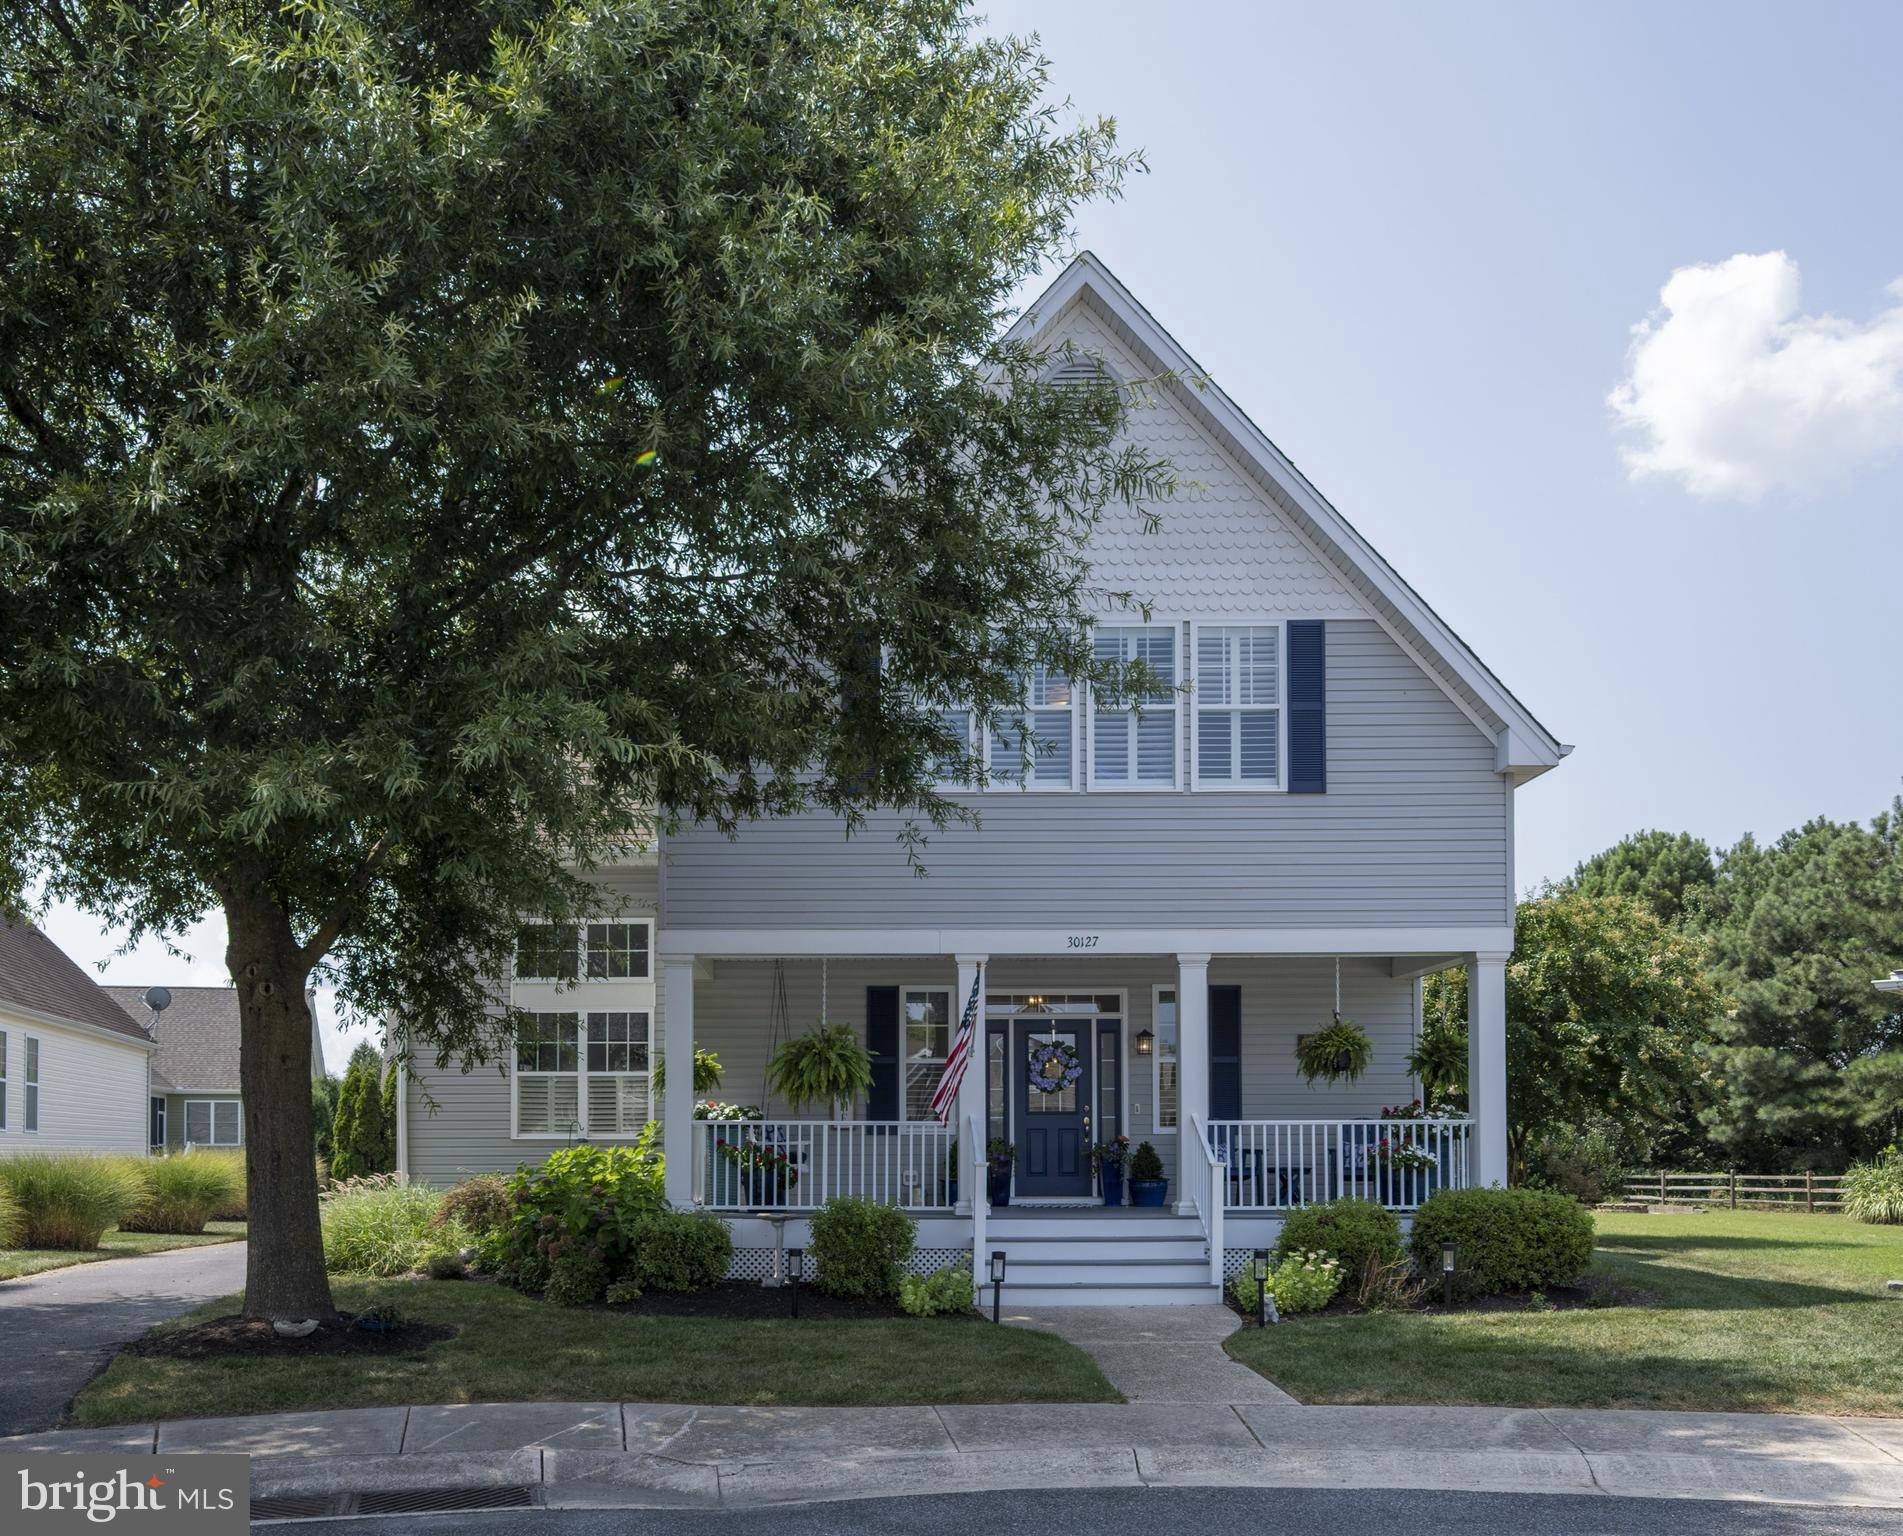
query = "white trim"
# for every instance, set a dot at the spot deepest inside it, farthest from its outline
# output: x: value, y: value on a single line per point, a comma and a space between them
x: 581, y: 1074
x: 840, y: 943
x: 211, y: 1118
x: 1010, y: 1020
x: 165, y: 1120
x: 5, y: 1066
x: 1239, y: 786
x: 30, y: 1054
x: 1177, y: 708
x: 1157, y: 1127
x: 403, y: 1118
x: 1526, y: 735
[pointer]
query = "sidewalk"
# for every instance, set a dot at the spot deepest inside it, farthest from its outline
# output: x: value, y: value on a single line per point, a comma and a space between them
x: 577, y: 1455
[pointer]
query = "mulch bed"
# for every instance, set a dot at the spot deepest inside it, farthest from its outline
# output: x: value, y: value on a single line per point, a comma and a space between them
x: 1592, y: 1293
x: 745, y: 1299
x: 240, y: 1336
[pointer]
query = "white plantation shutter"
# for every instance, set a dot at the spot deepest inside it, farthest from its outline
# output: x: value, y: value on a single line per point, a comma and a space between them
x: 617, y: 1071
x: 1034, y: 748
x: 1128, y: 748
x: 547, y: 1075
x: 546, y: 1106
x: 1238, y: 705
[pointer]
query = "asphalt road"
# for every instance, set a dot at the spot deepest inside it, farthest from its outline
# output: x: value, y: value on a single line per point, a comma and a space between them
x: 58, y: 1329
x: 1167, y: 1512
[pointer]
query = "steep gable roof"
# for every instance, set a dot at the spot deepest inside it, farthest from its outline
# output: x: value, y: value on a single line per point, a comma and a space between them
x: 38, y: 976
x: 1523, y: 746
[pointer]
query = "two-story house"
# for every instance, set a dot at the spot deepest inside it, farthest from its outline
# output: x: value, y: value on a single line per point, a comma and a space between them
x: 1321, y: 816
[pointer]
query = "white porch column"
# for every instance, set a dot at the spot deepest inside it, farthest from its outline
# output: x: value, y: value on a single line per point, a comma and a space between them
x: 1487, y: 1067
x: 677, y: 1107
x: 1192, y: 1070
x: 971, y: 1091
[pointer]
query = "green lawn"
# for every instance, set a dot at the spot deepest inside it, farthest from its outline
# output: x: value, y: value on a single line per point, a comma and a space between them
x: 15, y: 1262
x: 517, y: 1349
x: 1755, y: 1312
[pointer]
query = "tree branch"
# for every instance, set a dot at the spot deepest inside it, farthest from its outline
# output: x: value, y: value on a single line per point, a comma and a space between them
x: 331, y: 928
x: 27, y: 414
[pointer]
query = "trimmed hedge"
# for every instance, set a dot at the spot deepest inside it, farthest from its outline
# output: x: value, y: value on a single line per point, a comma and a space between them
x: 1349, y: 1230
x: 859, y: 1247
x: 1510, y: 1239
x: 679, y: 1251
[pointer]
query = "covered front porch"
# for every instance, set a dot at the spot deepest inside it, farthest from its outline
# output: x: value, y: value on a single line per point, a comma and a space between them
x: 1191, y: 1051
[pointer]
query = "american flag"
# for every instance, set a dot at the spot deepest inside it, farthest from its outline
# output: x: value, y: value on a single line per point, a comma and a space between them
x: 945, y: 1096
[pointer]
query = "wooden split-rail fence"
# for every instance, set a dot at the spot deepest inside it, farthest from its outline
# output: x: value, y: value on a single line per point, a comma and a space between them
x: 1737, y: 1191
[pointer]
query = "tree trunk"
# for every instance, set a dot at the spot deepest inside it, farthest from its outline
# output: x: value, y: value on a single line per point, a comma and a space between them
x: 284, y: 1263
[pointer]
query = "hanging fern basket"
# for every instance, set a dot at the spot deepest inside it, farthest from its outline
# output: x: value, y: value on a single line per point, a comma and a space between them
x: 1339, y: 1049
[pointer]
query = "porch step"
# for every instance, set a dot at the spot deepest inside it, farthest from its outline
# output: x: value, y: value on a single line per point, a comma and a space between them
x: 1127, y: 1270
x: 1158, y: 1249
x: 1066, y: 1226
x: 1106, y: 1293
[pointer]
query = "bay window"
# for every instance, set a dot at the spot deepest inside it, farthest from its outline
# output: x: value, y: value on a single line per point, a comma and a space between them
x: 1238, y: 706
x: 1135, y: 741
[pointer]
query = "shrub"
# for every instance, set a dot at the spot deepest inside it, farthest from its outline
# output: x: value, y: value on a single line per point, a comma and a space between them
x: 859, y: 1247
x: 622, y: 1292
x: 679, y: 1251
x: 237, y: 1206
x: 1873, y: 1192
x: 1302, y: 1282
x: 69, y: 1199
x: 445, y: 1264
x: 380, y: 1226
x: 481, y: 1207
x: 576, y: 1278
x: 1145, y: 1163
x: 1510, y: 1239
x: 1355, y: 1232
x: 1585, y: 1164
x: 181, y: 1192
x: 945, y: 1290
x: 591, y: 1197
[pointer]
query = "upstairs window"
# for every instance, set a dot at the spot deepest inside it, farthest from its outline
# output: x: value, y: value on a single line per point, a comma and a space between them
x: 1036, y: 747
x: 547, y: 951
x: 1135, y: 743
x: 1238, y: 706
x: 617, y: 951
x: 559, y: 952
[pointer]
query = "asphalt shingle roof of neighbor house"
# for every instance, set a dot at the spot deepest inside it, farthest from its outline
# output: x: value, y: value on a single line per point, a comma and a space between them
x: 37, y: 975
x: 197, y: 1035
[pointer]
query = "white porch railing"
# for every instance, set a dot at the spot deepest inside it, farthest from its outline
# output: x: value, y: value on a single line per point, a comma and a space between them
x: 1205, y: 1186
x: 977, y: 1169
x: 1273, y: 1165
x: 798, y: 1165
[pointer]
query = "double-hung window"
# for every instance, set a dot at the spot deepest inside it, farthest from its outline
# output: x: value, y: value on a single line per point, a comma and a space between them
x: 547, y: 1075
x: 948, y: 767
x: 1035, y: 747
x: 584, y: 995
x: 1238, y: 706
x: 1135, y: 739
x: 30, y: 1105
x: 617, y: 1071
x: 213, y: 1123
x: 927, y: 1039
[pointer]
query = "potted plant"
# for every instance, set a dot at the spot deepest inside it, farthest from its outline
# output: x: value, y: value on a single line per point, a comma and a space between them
x: 1340, y: 1048
x: 1108, y: 1158
x: 826, y: 1065
x: 1148, y: 1187
x: 767, y: 1170
x: 1000, y: 1156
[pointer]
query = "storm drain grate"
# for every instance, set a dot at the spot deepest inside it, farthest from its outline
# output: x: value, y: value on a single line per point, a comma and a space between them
x: 405, y: 1501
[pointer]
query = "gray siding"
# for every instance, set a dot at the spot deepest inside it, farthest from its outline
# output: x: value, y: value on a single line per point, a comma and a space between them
x: 1414, y: 829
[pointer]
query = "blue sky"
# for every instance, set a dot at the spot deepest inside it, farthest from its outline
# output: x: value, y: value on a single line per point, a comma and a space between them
x: 1413, y: 242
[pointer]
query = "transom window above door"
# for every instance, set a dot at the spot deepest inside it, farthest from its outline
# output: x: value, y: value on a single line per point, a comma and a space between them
x: 1136, y: 740
x: 1092, y: 1003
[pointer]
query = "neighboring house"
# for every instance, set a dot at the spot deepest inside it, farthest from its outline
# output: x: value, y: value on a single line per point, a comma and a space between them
x: 195, y: 1099
x: 73, y: 1068
x: 1323, y: 818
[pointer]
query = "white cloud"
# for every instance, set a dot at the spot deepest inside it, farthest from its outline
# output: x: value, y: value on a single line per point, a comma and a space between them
x: 1733, y: 392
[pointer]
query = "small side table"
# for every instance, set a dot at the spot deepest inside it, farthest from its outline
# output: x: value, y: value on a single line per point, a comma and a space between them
x: 778, y: 1219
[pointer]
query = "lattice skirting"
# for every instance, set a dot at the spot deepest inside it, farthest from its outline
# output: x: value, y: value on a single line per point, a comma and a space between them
x: 757, y: 1263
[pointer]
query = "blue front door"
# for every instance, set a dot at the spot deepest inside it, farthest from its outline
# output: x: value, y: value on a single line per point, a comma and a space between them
x: 1053, y: 1128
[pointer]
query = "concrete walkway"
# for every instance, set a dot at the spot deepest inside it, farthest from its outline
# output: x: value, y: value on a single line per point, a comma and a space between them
x: 58, y: 1328
x: 648, y: 1455
x: 1160, y: 1354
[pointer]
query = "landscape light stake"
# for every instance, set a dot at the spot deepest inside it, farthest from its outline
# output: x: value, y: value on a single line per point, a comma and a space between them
x: 1263, y: 1301
x: 997, y: 1284
x: 796, y: 1271
x: 1449, y: 1255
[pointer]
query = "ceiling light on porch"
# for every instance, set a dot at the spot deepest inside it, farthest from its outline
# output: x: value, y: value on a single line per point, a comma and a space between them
x: 1145, y: 1042
x: 1034, y: 1004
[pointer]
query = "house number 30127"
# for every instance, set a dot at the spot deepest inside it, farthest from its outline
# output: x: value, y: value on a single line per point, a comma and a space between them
x: 1084, y: 940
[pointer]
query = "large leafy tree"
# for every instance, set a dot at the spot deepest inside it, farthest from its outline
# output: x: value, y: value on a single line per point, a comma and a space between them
x: 441, y: 442
x: 1608, y: 1012
x: 1669, y: 872
x: 1810, y: 1059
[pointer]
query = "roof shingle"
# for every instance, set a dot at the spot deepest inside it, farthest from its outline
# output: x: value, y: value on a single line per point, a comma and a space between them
x: 36, y: 974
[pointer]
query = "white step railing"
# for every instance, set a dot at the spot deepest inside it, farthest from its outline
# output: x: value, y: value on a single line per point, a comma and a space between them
x: 1272, y: 1165
x: 1205, y: 1186
x: 798, y: 1165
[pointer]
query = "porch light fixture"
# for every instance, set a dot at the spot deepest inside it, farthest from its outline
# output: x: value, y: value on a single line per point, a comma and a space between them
x: 997, y: 1284
x: 1449, y: 1257
x: 1145, y: 1042
x: 795, y: 1272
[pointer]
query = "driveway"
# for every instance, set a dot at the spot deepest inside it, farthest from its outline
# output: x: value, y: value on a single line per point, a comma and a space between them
x: 59, y: 1328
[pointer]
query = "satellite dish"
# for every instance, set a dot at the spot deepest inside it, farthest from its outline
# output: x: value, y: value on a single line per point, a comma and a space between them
x: 157, y: 999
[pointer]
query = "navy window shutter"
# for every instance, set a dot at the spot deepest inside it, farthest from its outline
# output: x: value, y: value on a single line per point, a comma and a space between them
x: 1225, y: 1053
x: 1307, y: 707
x: 882, y: 1040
